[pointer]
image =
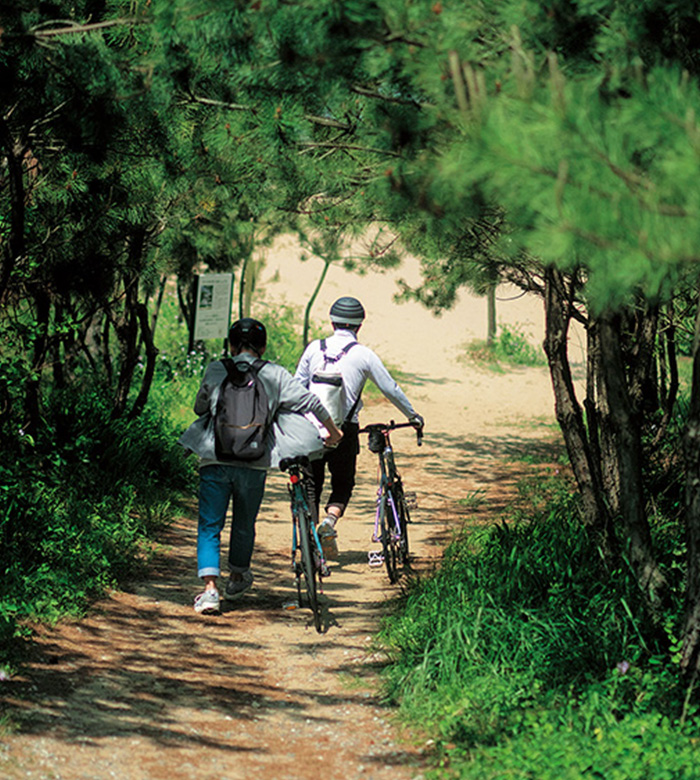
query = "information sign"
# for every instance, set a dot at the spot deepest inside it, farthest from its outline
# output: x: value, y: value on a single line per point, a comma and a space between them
x: 213, y: 306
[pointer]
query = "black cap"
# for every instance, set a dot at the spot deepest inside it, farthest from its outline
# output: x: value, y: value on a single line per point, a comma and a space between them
x: 248, y: 332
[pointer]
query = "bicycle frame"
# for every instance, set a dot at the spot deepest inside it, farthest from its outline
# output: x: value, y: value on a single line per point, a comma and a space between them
x: 310, y: 562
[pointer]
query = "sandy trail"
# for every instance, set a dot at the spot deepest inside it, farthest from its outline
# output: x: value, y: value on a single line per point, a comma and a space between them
x: 142, y: 688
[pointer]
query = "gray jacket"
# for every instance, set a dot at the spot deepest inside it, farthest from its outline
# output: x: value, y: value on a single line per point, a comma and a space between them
x: 289, y: 402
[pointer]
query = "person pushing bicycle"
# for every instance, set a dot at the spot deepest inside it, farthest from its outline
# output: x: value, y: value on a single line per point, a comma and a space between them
x: 239, y: 483
x: 355, y: 363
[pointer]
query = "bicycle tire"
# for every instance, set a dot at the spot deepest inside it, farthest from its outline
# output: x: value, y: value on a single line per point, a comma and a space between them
x: 404, y: 520
x: 388, y: 540
x: 308, y: 565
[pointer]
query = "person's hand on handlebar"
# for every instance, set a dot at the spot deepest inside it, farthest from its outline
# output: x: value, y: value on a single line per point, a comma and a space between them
x: 417, y: 422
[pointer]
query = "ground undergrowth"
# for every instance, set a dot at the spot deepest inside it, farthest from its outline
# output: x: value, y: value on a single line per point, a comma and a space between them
x: 520, y: 660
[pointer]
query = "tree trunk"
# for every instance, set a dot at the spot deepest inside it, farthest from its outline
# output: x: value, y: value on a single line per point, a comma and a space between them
x: 250, y: 271
x: 643, y: 379
x: 622, y: 464
x: 690, y: 651
x: 312, y: 299
x: 32, y: 396
x: 159, y: 303
x: 13, y: 246
x: 127, y: 327
x: 668, y: 374
x: 491, y: 315
x: 151, y: 355
x: 186, y: 296
x: 568, y: 410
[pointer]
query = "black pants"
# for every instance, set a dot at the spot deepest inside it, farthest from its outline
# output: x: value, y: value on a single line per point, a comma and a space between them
x: 341, y: 462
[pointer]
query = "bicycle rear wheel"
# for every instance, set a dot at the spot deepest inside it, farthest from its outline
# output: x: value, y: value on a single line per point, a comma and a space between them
x: 389, y: 538
x: 309, y: 568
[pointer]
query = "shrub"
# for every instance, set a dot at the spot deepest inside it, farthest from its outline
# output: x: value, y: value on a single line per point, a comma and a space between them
x: 77, y: 511
x: 511, y: 346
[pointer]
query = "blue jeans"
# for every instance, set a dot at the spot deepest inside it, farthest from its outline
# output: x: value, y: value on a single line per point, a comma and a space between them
x: 217, y: 486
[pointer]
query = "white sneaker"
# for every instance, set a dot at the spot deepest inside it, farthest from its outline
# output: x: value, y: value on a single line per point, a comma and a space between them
x: 207, y: 602
x: 328, y: 536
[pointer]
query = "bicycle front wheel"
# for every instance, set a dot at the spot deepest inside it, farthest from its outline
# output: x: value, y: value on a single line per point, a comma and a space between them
x: 389, y: 538
x: 307, y: 546
x: 404, y: 520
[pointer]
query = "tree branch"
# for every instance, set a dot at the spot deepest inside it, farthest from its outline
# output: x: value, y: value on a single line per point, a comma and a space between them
x: 358, y: 90
x: 328, y: 122
x: 71, y: 28
x: 350, y: 147
x: 222, y: 104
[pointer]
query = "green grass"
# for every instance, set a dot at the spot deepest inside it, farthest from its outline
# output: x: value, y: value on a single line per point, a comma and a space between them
x: 511, y: 347
x: 520, y: 660
x: 586, y: 745
x: 473, y: 500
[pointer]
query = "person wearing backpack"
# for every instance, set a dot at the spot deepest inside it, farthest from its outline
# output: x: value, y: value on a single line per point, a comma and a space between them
x: 249, y: 411
x: 323, y: 361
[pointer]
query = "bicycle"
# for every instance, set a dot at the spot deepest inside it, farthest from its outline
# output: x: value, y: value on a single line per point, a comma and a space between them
x: 392, y: 516
x: 311, y: 563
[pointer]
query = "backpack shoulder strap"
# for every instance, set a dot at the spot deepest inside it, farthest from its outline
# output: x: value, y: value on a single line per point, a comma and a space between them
x: 236, y: 368
x: 347, y: 348
x: 230, y: 366
x: 335, y: 358
x: 349, y: 415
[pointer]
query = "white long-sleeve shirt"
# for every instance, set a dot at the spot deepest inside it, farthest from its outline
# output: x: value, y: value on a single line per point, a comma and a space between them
x: 357, y: 366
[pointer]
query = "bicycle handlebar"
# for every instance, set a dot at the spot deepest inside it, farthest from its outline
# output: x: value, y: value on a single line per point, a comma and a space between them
x: 390, y: 426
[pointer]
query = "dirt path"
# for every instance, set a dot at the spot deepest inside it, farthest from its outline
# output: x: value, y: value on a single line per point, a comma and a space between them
x: 144, y: 689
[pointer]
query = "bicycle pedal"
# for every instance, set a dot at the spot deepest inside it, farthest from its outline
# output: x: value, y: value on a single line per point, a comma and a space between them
x: 324, y: 570
x: 375, y: 558
x: 411, y: 499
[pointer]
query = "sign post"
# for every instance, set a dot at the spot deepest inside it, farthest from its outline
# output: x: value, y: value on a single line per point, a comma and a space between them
x: 212, y: 309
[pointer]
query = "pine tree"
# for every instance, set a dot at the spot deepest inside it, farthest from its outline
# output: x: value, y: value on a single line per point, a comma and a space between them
x: 554, y: 145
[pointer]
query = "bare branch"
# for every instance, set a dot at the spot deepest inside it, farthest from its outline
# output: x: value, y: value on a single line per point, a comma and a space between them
x: 328, y: 122
x: 70, y: 28
x: 358, y: 90
x: 350, y: 147
x: 222, y: 104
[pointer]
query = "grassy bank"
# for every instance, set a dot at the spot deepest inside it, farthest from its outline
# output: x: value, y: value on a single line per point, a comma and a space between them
x: 520, y: 659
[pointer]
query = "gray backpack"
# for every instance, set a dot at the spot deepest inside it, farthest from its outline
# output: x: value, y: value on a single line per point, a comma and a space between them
x: 241, y: 418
